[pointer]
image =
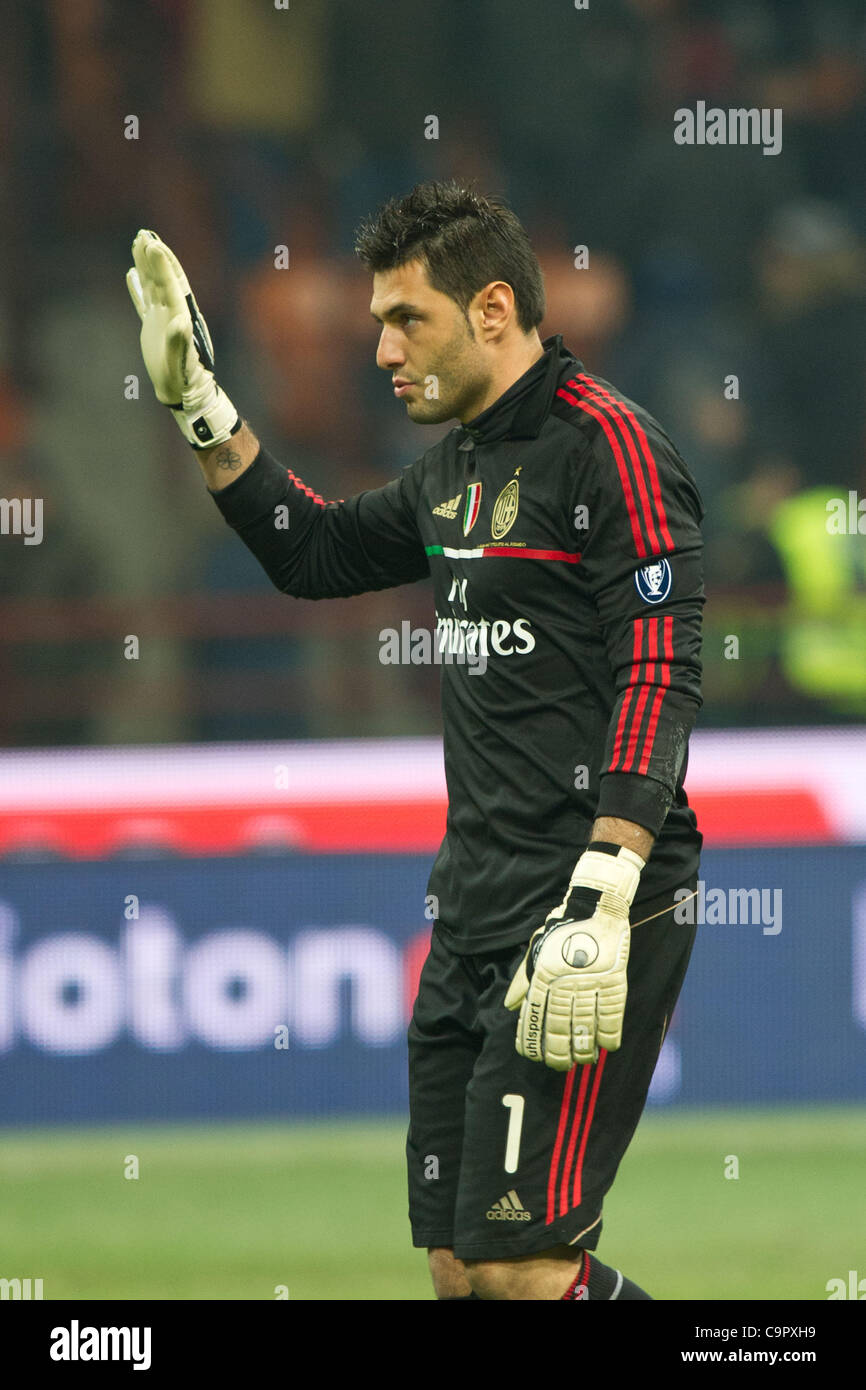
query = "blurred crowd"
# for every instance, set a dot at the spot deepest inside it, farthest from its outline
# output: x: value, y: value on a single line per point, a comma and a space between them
x: 725, y: 291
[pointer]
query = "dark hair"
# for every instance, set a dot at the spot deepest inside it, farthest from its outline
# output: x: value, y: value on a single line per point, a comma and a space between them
x: 463, y: 240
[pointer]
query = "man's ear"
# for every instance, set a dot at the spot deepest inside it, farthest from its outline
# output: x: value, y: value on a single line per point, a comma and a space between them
x: 495, y: 307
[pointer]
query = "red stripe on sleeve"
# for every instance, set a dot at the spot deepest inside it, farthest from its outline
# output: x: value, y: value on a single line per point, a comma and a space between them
x: 664, y: 683
x: 299, y: 483
x: 635, y: 728
x: 650, y: 462
x: 632, y: 682
x: 667, y: 641
x: 652, y: 653
x: 651, y: 730
x: 607, y: 402
x: 624, y: 478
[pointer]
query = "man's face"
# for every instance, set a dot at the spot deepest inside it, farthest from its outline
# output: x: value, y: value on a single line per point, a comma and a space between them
x: 427, y: 343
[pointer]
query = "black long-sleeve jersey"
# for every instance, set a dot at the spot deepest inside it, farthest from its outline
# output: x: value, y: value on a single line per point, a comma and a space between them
x: 562, y: 531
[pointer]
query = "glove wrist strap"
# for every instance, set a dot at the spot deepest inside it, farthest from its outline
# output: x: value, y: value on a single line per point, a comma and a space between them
x: 609, y: 868
x: 603, y: 868
x: 206, y: 417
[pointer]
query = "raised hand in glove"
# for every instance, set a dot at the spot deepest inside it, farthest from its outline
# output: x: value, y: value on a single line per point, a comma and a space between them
x: 176, y: 345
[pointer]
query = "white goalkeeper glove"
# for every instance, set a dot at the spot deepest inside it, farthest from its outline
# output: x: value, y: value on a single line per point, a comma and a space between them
x: 176, y: 345
x: 571, y: 985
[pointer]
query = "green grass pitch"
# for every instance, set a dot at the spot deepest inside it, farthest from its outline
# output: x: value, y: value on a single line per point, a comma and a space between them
x: 232, y: 1211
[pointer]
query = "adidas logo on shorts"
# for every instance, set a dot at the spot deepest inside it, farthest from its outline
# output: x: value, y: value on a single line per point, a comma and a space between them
x: 509, y: 1208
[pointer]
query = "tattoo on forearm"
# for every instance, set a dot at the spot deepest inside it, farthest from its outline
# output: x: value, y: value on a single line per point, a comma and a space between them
x: 227, y: 457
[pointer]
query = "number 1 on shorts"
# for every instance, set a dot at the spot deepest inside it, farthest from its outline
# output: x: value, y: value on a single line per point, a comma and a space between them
x: 514, y: 1104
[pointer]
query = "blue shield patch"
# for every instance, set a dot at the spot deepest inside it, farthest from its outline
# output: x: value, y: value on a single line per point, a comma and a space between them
x: 653, y: 582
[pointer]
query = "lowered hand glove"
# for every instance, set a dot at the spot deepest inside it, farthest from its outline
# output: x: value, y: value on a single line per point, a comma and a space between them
x: 571, y: 985
x: 176, y: 345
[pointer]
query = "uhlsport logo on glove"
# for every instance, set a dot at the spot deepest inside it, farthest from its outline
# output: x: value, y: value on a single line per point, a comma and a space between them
x: 571, y: 985
x: 579, y: 949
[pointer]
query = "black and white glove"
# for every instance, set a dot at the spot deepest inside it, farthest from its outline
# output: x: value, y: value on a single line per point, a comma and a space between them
x: 571, y: 985
x: 176, y: 345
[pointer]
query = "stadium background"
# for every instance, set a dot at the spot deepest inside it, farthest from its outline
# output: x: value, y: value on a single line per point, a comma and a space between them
x: 214, y: 855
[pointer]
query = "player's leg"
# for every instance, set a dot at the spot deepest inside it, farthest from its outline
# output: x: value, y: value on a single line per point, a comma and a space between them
x: 543, y: 1276
x: 444, y: 1042
x: 541, y: 1148
x: 564, y: 1273
x: 448, y: 1274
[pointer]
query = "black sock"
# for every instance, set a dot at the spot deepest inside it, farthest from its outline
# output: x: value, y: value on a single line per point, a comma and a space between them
x: 596, y: 1281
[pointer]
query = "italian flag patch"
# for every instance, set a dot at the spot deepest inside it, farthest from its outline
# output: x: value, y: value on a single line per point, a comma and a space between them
x: 473, y: 506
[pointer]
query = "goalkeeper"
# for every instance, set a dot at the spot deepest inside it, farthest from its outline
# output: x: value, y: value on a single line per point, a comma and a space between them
x: 561, y: 530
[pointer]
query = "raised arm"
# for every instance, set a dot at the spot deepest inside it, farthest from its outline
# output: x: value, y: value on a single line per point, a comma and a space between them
x: 309, y: 548
x: 225, y: 463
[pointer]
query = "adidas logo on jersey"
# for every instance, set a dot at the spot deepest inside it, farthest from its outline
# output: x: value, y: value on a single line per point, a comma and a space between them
x: 509, y: 1208
x: 448, y: 509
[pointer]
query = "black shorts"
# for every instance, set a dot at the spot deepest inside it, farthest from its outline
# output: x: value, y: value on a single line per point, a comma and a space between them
x: 506, y: 1156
